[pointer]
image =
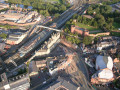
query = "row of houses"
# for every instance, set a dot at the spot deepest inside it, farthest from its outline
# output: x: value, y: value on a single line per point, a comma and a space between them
x: 15, y: 38
x: 49, y: 45
x: 3, y: 6
x: 19, y: 82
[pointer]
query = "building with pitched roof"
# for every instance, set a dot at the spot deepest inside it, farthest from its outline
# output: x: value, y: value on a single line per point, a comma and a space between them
x: 19, y: 82
x: 62, y: 84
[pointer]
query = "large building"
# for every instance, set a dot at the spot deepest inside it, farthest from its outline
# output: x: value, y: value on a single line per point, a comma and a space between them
x: 62, y: 84
x: 15, y: 38
x: 104, y: 74
x: 12, y: 15
x: 79, y: 30
x: 57, y: 64
x: 34, y: 42
x: 49, y: 45
x: 27, y: 17
x: 20, y: 82
x: 17, y: 16
x: 106, y: 44
x: 3, y: 6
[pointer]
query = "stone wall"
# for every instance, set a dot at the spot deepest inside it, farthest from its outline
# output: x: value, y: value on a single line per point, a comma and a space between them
x: 81, y: 32
x: 86, y: 32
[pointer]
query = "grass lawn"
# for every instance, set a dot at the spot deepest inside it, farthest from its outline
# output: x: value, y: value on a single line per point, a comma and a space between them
x: 3, y: 35
x: 90, y: 28
x: 116, y: 25
x: 7, y: 26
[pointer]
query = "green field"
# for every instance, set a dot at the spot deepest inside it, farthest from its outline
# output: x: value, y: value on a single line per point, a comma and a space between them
x: 90, y: 28
x: 116, y: 25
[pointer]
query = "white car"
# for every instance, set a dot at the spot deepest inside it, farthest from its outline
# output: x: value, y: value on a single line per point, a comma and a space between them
x: 44, y: 82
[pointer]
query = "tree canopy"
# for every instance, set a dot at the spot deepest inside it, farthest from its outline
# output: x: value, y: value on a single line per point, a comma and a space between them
x: 87, y: 40
x: 45, y: 8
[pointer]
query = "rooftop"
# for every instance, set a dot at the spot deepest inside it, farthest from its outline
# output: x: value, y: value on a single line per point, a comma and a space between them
x: 15, y: 82
x: 53, y: 63
x: 61, y: 84
x: 2, y: 45
x: 13, y: 39
x: 16, y: 35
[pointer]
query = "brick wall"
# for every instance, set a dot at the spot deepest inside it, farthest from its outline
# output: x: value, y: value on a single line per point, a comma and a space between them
x: 81, y: 32
x: 86, y: 32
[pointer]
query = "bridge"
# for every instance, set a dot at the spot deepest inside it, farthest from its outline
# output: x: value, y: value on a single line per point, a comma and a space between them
x: 49, y: 28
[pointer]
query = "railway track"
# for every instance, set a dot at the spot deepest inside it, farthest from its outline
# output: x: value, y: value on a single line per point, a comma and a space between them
x: 60, y: 21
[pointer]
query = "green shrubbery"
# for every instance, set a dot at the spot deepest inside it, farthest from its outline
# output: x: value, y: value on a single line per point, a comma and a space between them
x: 110, y: 2
x: 3, y: 35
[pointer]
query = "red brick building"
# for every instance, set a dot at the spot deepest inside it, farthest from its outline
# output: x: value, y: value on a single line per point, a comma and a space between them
x: 79, y: 30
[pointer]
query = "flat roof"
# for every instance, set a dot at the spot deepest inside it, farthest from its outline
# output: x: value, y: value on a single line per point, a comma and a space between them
x: 13, y: 39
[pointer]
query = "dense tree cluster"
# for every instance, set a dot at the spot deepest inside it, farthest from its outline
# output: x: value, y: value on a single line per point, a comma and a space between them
x: 87, y: 40
x: 98, y: 21
x: 99, y: 9
x: 110, y: 2
x: 45, y: 8
x: 103, y: 16
x: 71, y: 37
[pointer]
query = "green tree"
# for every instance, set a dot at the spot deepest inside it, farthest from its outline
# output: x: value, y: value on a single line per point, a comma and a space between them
x: 94, y: 24
x: 57, y: 15
x: 62, y: 8
x: 87, y: 40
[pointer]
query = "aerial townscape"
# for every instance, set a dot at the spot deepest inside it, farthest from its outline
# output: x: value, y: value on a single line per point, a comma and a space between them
x: 59, y: 44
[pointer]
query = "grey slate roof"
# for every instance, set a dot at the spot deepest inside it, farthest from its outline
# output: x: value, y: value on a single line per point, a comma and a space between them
x: 61, y: 82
